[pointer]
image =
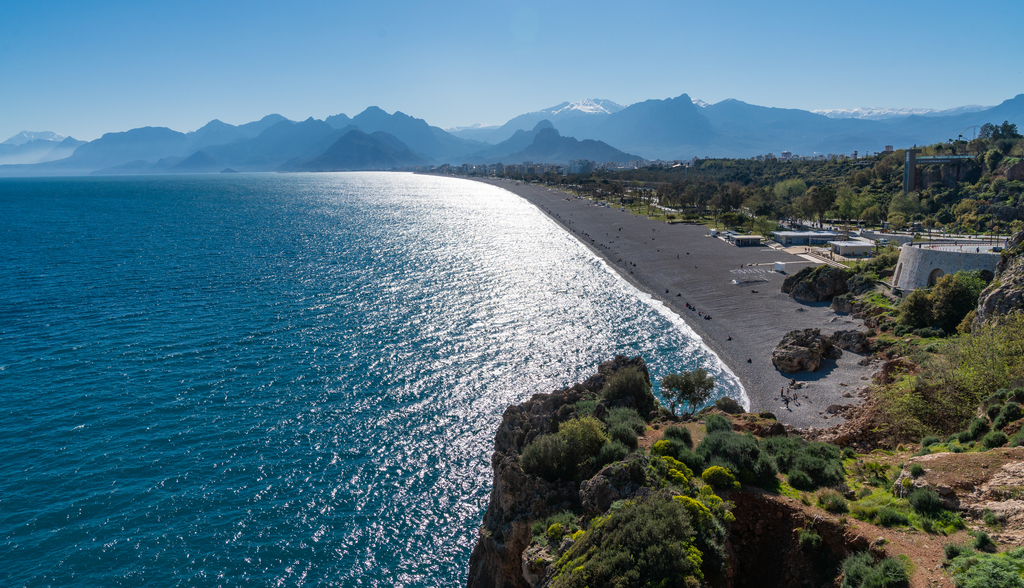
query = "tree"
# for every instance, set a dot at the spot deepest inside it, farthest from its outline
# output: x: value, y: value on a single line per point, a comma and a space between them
x: 953, y: 297
x: 871, y: 215
x: 693, y: 388
x: 821, y: 199
x: 790, y: 189
x: 764, y: 226
x: 906, y: 204
x: 897, y: 220
x: 846, y: 203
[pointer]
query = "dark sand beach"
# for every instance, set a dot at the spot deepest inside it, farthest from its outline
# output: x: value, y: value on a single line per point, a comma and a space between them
x: 681, y: 264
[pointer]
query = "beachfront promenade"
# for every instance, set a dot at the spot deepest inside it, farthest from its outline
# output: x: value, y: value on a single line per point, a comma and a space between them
x: 681, y: 265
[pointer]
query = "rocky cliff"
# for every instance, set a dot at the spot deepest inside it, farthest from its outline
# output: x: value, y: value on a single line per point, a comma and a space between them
x: 518, y: 499
x: 1006, y: 292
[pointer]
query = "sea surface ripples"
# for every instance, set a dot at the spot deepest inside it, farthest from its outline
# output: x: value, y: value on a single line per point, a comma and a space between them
x: 264, y: 380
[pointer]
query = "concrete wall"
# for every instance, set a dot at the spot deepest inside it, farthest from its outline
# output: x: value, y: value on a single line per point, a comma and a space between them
x: 921, y: 267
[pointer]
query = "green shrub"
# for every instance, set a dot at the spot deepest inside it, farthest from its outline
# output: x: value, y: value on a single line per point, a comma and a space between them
x: 647, y: 542
x: 978, y: 428
x: 808, y: 540
x: 930, y: 440
x: 922, y: 451
x: 926, y: 501
x: 718, y: 477
x: 585, y: 436
x: 717, y: 422
x: 993, y: 519
x: 832, y: 501
x: 917, y: 470
x: 821, y: 462
x: 800, y: 480
x: 979, y: 570
x: 848, y: 453
x: 585, y: 407
x: 627, y: 417
x: 611, y: 452
x: 555, y: 533
x: 890, y: 517
x: 681, y: 434
x: 630, y: 387
x: 861, y: 571
x: 982, y: 542
x: 1017, y: 440
x: 955, y: 550
x: 995, y: 439
x: 726, y: 404
x: 692, y: 460
x: 624, y: 434
x: 548, y: 457
x: 740, y: 454
x: 1011, y: 412
x: 993, y: 411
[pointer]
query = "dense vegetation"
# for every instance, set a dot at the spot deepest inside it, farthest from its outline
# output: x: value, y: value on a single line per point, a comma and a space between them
x: 972, y: 196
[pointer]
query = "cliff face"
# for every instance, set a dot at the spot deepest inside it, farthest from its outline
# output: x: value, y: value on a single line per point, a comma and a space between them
x: 1006, y: 292
x: 518, y: 499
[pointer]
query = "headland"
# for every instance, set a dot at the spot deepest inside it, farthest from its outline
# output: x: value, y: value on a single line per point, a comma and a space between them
x: 699, y: 276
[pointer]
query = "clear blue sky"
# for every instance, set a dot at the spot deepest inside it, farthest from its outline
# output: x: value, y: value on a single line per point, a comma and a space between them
x: 85, y: 68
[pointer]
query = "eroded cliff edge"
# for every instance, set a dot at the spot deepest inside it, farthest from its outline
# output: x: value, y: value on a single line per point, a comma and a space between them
x: 518, y: 499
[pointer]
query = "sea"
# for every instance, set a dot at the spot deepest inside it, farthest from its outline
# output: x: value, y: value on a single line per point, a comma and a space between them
x: 283, y: 380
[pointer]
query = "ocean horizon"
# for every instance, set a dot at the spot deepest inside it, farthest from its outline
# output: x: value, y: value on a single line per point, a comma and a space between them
x: 264, y: 379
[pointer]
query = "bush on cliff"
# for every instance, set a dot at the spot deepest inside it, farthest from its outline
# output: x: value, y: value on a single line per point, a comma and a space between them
x: 630, y: 388
x: 740, y: 454
x: 653, y: 541
x: 558, y: 456
x: 861, y: 571
x: 627, y: 417
x: 681, y: 434
x: 548, y: 457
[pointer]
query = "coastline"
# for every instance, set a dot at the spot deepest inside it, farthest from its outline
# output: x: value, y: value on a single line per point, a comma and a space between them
x: 679, y: 264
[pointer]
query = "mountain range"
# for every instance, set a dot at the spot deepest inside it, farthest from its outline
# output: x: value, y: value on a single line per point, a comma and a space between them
x: 601, y: 130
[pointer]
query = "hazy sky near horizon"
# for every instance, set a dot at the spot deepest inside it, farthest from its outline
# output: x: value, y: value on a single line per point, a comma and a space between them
x: 86, y: 68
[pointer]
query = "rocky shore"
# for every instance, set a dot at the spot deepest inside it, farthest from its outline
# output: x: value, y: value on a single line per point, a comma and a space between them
x: 697, y: 276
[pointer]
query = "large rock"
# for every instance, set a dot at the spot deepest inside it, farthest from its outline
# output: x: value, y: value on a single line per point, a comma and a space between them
x: 854, y: 341
x: 518, y: 498
x: 615, y: 482
x: 803, y: 351
x: 1016, y: 172
x: 817, y: 284
x: 1006, y: 292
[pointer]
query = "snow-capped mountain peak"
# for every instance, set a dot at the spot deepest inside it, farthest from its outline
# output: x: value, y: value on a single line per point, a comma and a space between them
x: 699, y: 102
x: 26, y: 136
x: 588, y: 106
x: 881, y: 113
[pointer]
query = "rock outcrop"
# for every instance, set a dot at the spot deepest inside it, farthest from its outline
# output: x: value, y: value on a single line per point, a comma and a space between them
x: 817, y: 284
x: 1006, y: 292
x: 803, y: 351
x: 615, y: 482
x: 517, y: 498
x: 854, y: 341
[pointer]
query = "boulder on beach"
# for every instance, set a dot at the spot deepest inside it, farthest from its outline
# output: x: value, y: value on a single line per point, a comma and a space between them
x: 803, y: 350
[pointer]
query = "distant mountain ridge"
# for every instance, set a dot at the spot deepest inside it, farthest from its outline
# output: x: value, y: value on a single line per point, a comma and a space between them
x: 669, y: 129
x: 26, y: 136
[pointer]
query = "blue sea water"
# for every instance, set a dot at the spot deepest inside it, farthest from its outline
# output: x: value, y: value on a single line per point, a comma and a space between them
x: 264, y: 380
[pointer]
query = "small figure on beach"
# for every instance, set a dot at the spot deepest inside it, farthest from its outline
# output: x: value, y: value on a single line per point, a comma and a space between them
x: 748, y: 360
x: 730, y: 338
